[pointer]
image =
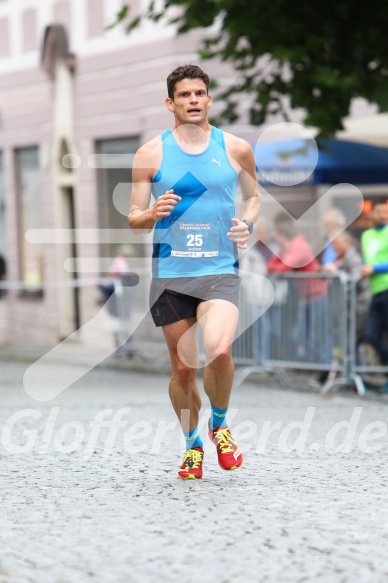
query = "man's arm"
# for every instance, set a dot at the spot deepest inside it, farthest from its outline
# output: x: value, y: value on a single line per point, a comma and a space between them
x: 367, y: 270
x: 243, y: 160
x: 145, y: 165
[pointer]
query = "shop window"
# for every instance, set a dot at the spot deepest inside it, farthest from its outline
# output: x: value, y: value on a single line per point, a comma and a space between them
x: 30, y: 211
x: 114, y: 183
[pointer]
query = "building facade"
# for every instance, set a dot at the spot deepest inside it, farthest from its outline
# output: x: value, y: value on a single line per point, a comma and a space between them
x: 73, y: 97
x: 76, y: 101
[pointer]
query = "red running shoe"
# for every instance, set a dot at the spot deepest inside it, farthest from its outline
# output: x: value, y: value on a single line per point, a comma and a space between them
x: 191, y: 469
x: 229, y: 454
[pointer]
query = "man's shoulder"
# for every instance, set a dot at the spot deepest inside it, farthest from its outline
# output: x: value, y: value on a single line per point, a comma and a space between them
x: 238, y: 144
x: 368, y: 234
x: 149, y: 156
x: 365, y: 233
x: 239, y: 149
x: 151, y: 147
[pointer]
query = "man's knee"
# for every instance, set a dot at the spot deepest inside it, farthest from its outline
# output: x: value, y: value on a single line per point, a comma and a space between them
x: 219, y: 356
x: 184, y: 373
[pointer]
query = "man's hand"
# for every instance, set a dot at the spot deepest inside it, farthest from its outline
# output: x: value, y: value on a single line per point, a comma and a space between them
x: 239, y: 233
x: 332, y: 267
x: 164, y: 205
x: 366, y: 270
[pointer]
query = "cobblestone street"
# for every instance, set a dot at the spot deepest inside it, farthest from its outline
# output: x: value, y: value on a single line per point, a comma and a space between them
x: 89, y: 489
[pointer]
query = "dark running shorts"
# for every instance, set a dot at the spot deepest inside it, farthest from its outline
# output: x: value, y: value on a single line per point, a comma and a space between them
x: 176, y: 299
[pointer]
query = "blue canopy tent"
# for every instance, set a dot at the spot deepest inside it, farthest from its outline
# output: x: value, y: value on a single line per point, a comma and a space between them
x: 290, y: 161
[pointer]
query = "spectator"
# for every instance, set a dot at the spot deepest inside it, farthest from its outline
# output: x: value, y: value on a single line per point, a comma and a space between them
x: 254, y: 262
x: 255, y: 259
x: 296, y: 255
x: 333, y: 222
x: 120, y: 264
x: 263, y: 232
x: 349, y: 261
x: 118, y: 295
x: 374, y: 245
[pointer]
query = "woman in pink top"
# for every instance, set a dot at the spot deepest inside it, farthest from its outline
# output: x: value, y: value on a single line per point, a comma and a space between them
x: 313, y: 342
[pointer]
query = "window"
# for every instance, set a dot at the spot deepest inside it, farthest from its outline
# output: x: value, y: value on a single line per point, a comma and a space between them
x: 114, y: 161
x: 28, y: 181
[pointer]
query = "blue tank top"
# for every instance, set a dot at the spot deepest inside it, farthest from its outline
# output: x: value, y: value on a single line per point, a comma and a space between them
x: 192, y: 241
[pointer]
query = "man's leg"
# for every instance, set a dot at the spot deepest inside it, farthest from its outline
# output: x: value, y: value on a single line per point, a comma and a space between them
x: 218, y: 320
x: 183, y: 388
x: 375, y: 328
x: 383, y: 302
x: 384, y: 312
x: 184, y: 393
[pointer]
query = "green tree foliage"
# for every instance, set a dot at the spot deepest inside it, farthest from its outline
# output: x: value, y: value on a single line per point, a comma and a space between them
x: 312, y: 55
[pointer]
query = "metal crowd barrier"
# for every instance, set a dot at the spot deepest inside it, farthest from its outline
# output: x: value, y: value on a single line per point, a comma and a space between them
x: 308, y: 327
x: 129, y: 311
x: 364, y: 358
x: 313, y: 325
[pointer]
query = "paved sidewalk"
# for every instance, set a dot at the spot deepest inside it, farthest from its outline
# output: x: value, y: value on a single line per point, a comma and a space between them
x: 82, y: 504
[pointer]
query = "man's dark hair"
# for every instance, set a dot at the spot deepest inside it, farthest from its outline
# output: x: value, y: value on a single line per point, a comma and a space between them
x: 284, y: 225
x: 185, y: 72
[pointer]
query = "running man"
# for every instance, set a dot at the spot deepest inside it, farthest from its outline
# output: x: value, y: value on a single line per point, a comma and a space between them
x: 374, y: 245
x: 192, y: 172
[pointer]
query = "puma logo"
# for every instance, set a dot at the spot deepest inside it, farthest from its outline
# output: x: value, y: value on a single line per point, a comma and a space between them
x: 217, y: 161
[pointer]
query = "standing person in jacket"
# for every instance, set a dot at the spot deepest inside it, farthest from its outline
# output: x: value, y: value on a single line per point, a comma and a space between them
x: 374, y: 246
x: 192, y: 172
x: 334, y: 221
x: 349, y: 261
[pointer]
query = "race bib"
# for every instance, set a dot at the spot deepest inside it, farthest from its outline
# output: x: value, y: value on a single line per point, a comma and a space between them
x: 194, y: 239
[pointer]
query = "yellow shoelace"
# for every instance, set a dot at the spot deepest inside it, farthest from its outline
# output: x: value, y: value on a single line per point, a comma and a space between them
x: 195, y: 456
x: 224, y: 440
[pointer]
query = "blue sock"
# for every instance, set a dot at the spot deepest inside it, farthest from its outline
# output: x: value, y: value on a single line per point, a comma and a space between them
x: 218, y: 417
x: 193, y: 439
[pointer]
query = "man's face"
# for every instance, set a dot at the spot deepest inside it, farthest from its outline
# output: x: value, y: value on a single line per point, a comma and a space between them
x: 190, y: 103
x: 378, y: 215
x: 329, y: 223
